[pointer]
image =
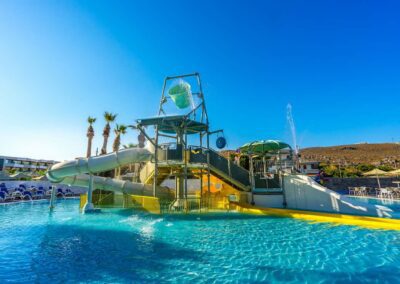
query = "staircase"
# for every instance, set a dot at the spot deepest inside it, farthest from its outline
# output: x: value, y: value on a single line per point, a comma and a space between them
x: 220, y: 167
x: 147, y: 174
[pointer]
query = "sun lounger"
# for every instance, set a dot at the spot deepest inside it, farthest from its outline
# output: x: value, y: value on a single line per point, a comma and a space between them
x: 27, y: 195
x: 48, y: 193
x: 68, y: 192
x: 38, y: 194
x: 6, y: 194
x: 17, y: 194
x: 60, y: 193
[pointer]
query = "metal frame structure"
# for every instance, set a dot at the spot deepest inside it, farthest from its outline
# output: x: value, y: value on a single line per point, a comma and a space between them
x: 180, y: 136
x: 251, y: 155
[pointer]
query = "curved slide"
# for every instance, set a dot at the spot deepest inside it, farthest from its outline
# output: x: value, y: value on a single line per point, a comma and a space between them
x: 77, y: 172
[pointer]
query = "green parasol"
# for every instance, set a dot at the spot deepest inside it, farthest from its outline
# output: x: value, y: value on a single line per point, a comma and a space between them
x: 263, y: 146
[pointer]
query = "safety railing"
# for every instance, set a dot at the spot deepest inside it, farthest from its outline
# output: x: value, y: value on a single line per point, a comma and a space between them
x: 198, y: 205
x: 194, y: 204
x: 221, y: 164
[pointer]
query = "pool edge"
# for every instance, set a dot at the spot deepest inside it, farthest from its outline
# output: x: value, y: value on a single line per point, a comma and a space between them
x: 322, y: 217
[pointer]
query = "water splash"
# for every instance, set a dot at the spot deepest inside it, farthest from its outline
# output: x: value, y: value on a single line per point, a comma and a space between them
x: 290, y: 120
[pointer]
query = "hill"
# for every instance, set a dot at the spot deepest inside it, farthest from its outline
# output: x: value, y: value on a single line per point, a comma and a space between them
x: 387, y: 154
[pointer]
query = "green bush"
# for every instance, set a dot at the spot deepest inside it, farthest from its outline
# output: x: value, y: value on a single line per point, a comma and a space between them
x: 365, y: 168
x: 351, y: 172
x: 385, y: 168
x: 331, y: 170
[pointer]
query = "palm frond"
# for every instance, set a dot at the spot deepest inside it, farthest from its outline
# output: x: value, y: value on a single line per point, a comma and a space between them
x: 109, y: 116
x: 91, y: 120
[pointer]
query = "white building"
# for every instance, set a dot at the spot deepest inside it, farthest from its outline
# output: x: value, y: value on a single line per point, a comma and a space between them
x: 310, y: 168
x: 25, y: 165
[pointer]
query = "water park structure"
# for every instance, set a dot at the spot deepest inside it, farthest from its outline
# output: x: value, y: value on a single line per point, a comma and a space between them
x: 178, y: 150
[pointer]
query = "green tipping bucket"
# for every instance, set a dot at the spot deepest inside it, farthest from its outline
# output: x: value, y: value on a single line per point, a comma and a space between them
x: 180, y: 94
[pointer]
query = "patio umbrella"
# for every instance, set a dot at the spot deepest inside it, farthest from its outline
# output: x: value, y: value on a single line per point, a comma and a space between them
x: 394, y: 173
x: 376, y: 173
x: 263, y: 146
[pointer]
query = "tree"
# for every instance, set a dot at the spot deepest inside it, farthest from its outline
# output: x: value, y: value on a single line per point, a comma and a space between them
x: 385, y: 168
x: 128, y: 146
x: 109, y: 118
x: 351, y: 171
x: 365, y: 168
x: 41, y: 172
x: 90, y: 135
x: 331, y: 170
x: 120, y: 129
x: 11, y: 171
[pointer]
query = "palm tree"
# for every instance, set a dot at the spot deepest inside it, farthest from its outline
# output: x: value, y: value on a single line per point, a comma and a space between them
x: 128, y: 146
x: 90, y: 135
x: 108, y: 117
x: 141, y: 138
x: 119, y: 130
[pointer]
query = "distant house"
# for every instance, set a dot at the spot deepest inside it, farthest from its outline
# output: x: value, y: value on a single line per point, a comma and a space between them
x: 310, y: 168
x: 25, y: 165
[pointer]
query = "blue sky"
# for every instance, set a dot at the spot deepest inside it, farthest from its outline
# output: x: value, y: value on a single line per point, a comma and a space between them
x: 336, y: 62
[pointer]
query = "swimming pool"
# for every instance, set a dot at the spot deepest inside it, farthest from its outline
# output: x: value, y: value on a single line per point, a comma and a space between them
x: 391, y: 203
x: 123, y: 246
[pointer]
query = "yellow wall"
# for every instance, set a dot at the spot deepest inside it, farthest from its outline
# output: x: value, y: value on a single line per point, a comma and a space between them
x: 82, y: 200
x: 219, y: 193
x: 149, y: 204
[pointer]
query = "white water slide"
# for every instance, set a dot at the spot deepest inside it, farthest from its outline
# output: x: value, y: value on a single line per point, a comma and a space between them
x: 303, y: 193
x: 77, y: 172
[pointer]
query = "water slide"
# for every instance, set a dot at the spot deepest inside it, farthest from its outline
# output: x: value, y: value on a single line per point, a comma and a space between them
x: 77, y: 172
x: 303, y: 193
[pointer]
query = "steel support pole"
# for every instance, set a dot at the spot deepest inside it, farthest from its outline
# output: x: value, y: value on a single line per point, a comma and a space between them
x: 208, y: 171
x: 88, y: 207
x: 185, y: 151
x: 201, y: 173
x: 155, y: 164
x: 53, y: 197
x: 252, y: 181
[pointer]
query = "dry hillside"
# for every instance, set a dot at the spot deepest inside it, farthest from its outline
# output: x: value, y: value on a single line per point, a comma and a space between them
x: 374, y: 154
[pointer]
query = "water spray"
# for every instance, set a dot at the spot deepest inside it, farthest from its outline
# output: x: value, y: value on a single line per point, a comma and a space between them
x: 292, y: 127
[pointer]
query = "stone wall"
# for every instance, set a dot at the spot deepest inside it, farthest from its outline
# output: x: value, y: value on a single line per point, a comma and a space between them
x: 345, y: 183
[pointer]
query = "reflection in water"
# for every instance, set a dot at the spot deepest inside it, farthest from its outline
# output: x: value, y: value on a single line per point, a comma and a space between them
x: 121, y: 246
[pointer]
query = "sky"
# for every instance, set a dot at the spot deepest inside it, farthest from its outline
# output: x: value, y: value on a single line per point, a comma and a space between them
x: 336, y: 62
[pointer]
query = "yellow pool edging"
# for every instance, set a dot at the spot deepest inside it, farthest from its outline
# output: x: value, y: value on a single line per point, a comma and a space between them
x: 320, y: 217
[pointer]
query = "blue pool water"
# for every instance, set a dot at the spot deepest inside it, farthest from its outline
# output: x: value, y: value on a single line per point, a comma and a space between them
x: 121, y: 246
x: 391, y: 203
